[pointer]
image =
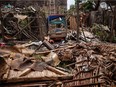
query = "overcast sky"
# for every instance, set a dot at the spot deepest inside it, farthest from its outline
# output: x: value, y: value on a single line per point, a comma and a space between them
x: 70, y: 2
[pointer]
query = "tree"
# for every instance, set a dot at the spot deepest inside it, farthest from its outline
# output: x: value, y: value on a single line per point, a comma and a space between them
x: 71, y: 10
x: 90, y: 5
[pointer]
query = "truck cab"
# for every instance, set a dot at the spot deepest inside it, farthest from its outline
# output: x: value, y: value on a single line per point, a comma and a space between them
x: 57, y: 26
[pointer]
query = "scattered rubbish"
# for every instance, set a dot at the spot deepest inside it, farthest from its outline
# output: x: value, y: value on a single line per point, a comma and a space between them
x: 2, y: 67
x: 51, y: 59
x: 43, y: 52
x: 48, y: 45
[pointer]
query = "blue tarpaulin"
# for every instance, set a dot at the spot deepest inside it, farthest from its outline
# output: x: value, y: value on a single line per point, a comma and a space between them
x: 52, y: 17
x: 52, y: 21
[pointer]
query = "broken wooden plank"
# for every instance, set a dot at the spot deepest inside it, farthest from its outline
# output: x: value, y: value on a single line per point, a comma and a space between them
x: 25, y: 72
x: 29, y: 79
x: 56, y: 70
x: 48, y: 45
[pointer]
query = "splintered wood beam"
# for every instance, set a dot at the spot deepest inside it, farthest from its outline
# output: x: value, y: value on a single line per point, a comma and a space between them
x: 25, y: 72
x: 56, y: 70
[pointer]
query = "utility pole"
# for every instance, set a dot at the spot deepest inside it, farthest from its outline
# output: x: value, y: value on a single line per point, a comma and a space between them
x: 77, y: 18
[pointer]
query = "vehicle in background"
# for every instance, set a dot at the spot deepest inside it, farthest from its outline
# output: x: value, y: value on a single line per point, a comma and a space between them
x: 57, y: 26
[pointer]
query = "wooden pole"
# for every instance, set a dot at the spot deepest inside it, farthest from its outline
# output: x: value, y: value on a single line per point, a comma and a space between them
x: 77, y: 18
x: 113, y: 25
x: 1, y: 25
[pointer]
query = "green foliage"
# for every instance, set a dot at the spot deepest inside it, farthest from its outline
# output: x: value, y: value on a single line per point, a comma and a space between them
x: 72, y: 7
x: 87, y: 6
x: 100, y: 31
x: 71, y: 10
x: 23, y: 23
x: 114, y: 40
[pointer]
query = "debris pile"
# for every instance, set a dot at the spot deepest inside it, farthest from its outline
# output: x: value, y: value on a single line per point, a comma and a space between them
x: 95, y: 65
x: 29, y: 57
x: 102, y: 32
x: 25, y: 62
x: 23, y: 23
x: 85, y: 36
x: 83, y: 64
